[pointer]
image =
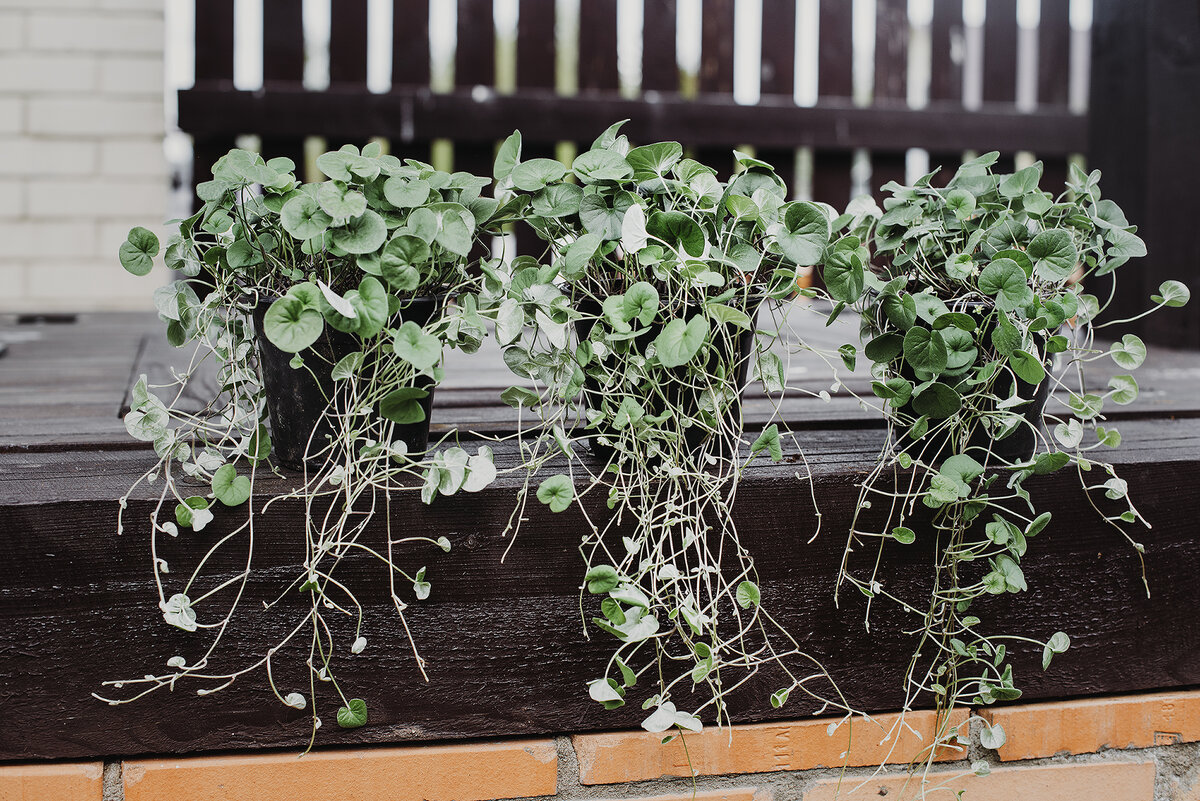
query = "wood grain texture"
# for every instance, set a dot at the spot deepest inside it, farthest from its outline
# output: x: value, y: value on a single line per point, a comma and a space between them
x: 507, y: 655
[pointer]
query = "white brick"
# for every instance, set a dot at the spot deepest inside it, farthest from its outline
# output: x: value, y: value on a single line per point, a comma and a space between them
x: 26, y: 239
x: 95, y: 116
x: 39, y: 4
x: 12, y: 115
x: 132, y: 75
x: 100, y: 285
x: 12, y: 30
x: 40, y: 72
x: 36, y: 157
x: 97, y: 198
x: 12, y: 198
x: 134, y: 157
x: 133, y: 5
x: 105, y: 32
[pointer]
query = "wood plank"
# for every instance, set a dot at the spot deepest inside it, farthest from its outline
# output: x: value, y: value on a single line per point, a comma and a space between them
x: 283, y: 66
x: 1054, y: 75
x: 891, y: 84
x: 716, y: 75
x: 598, y: 46
x: 79, y: 608
x: 410, y: 60
x: 778, y: 77
x: 546, y: 117
x: 213, y: 26
x: 835, y: 84
x: 660, y: 68
x: 1000, y: 62
x: 946, y: 74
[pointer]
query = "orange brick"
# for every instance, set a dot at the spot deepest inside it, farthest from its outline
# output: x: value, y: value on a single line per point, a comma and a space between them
x: 80, y: 781
x: 756, y: 748
x: 733, y: 794
x: 1123, y: 781
x: 511, y: 769
x: 1082, y: 727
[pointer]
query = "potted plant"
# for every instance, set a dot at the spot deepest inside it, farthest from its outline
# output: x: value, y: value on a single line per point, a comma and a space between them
x: 323, y: 309
x: 636, y: 327
x: 980, y: 333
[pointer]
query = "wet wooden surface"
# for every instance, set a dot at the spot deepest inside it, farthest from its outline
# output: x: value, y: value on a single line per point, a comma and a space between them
x: 506, y: 652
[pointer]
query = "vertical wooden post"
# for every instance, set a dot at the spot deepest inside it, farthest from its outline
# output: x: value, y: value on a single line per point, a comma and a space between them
x: 214, y: 69
x: 891, y: 82
x: 283, y: 66
x: 1144, y: 126
x: 778, y: 76
x: 474, y: 65
x: 716, y: 72
x: 945, y: 74
x: 1000, y: 61
x: 410, y: 63
x: 1054, y: 76
x: 835, y: 79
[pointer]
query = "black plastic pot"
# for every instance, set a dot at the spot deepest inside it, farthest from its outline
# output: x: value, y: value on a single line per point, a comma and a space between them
x: 296, y: 397
x: 731, y: 345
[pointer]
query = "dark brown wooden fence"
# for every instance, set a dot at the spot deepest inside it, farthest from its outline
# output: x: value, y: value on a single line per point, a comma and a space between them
x: 1144, y: 105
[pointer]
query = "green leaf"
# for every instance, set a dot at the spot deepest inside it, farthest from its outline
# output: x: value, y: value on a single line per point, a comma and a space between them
x: 404, y: 193
x: 1006, y: 281
x: 303, y: 218
x: 1087, y: 406
x: 1057, y: 644
x: 961, y: 202
x: 747, y: 594
x: 291, y: 325
x: 884, y: 348
x: 517, y: 397
x: 228, y: 487
x: 896, y: 389
x: 1124, y: 389
x: 419, y: 349
x: 900, y: 311
x: 926, y: 350
x: 844, y: 274
x: 1054, y: 255
x: 353, y: 715
x: 507, y: 156
x: 937, y: 400
x: 557, y: 492
x: 641, y: 302
x: 904, y: 535
x: 1027, y: 367
x: 678, y: 230
x: 992, y: 737
x: 961, y: 467
x: 1129, y: 353
x: 679, y: 342
x: 401, y: 405
x: 1021, y: 182
x: 601, y: 165
x: 1172, y: 293
x: 363, y: 234
x: 400, y: 260
x: 138, y: 251
x: 347, y: 366
x: 806, y: 233
x: 557, y: 200
x: 534, y: 174
x: 601, y: 578
x: 654, y: 160
x: 769, y: 441
x: 1046, y: 463
x: 340, y: 201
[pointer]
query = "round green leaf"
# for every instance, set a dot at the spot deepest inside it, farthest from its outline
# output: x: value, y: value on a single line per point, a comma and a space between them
x: 1129, y: 353
x: 679, y: 342
x: 138, y: 251
x: 747, y: 594
x: 401, y: 406
x: 1172, y: 293
x: 353, y: 715
x: 904, y: 535
x: 1124, y: 389
x: 559, y: 200
x: 340, y: 201
x: 678, y: 230
x: 419, y: 349
x: 937, y: 401
x: 1005, y: 280
x: 292, y: 326
x: 601, y: 578
x: 557, y: 493
x: 534, y: 174
x: 1027, y: 367
x: 649, y: 161
x: 926, y: 350
x: 1054, y: 255
x: 401, y: 258
x: 601, y: 165
x: 362, y: 234
x: 806, y: 233
x: 303, y: 218
x: 404, y: 193
x: 228, y: 487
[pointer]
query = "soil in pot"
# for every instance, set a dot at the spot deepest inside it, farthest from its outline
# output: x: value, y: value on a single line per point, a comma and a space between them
x: 731, y: 346
x: 296, y: 397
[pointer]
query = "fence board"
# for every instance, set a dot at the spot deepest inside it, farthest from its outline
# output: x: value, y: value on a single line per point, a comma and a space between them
x: 598, y: 46
x: 946, y: 73
x: 835, y: 79
x: 536, y: 69
x: 891, y: 82
x: 214, y: 70
x: 283, y: 67
x: 410, y: 63
x: 716, y: 72
x: 1054, y: 74
x: 1000, y: 60
x: 777, y: 76
x: 474, y: 65
x: 660, y: 68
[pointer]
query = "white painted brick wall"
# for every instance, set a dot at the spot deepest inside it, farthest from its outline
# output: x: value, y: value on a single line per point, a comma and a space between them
x: 81, y: 150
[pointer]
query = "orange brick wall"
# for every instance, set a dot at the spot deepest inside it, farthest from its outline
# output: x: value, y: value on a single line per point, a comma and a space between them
x: 1128, y: 748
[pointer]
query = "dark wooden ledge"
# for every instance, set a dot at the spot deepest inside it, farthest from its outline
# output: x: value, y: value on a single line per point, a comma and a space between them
x: 503, y: 640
